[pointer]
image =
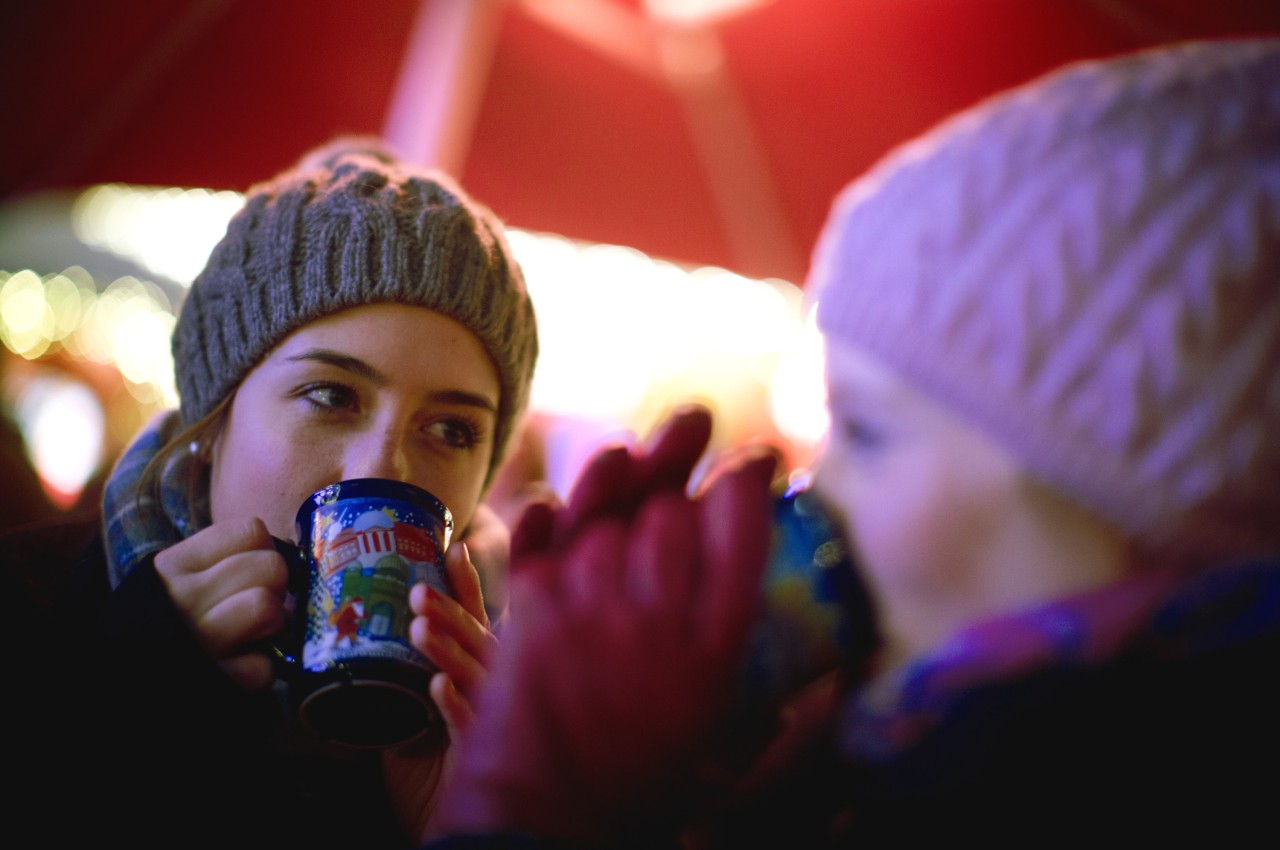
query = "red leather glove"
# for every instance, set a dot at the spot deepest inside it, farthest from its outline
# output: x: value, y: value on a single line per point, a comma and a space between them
x: 629, y: 616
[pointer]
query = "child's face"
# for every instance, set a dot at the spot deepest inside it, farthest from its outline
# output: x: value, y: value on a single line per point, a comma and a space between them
x: 386, y: 391
x: 946, y: 528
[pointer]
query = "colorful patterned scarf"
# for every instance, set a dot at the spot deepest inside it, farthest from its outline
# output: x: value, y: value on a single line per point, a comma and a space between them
x: 135, y: 524
x: 1172, y: 613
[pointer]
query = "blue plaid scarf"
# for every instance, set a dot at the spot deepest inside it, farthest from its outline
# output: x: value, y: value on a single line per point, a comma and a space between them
x: 135, y: 525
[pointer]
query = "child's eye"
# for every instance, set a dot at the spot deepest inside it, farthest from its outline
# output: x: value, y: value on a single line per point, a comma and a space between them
x: 329, y: 397
x: 860, y: 435
x: 457, y: 432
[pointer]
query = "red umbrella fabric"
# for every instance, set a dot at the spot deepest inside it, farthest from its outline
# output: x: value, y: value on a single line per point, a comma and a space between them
x: 586, y: 118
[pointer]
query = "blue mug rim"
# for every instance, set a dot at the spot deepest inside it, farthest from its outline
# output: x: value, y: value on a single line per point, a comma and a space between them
x: 386, y: 488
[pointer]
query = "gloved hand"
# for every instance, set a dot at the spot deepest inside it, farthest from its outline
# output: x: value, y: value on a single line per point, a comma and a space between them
x: 616, y: 479
x: 629, y: 615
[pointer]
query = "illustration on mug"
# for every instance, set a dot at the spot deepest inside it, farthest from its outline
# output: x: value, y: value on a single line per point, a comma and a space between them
x: 366, y: 558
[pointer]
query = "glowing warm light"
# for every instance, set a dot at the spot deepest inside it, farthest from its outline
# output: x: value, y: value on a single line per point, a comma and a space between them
x: 137, y: 334
x: 616, y: 326
x: 798, y: 393
x: 67, y: 294
x: 586, y: 365
x: 26, y: 322
x: 623, y: 335
x: 63, y: 425
x: 127, y: 325
x: 167, y: 231
x: 691, y: 12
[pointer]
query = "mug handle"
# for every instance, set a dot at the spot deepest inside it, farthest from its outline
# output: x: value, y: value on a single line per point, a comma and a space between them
x: 284, y: 650
x: 296, y: 560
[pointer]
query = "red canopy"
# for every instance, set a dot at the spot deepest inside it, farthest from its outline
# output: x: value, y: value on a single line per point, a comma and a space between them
x: 581, y: 117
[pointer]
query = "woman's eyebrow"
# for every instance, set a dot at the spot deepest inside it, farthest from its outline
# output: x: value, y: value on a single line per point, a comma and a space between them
x: 465, y: 398
x: 342, y: 361
x: 358, y: 367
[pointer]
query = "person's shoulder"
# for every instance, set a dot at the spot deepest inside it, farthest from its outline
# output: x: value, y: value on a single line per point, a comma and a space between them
x: 58, y: 537
x: 42, y: 561
x: 50, y: 543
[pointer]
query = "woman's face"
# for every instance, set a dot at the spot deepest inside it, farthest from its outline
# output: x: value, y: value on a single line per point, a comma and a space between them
x: 383, y: 391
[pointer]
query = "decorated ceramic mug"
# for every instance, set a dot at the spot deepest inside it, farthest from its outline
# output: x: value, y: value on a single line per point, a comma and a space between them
x: 354, y: 677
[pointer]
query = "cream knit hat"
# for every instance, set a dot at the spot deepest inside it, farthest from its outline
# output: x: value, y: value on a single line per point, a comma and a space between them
x: 1087, y: 268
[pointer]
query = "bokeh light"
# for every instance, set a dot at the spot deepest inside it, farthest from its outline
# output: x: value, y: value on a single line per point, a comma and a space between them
x: 624, y: 336
x: 64, y: 425
x: 167, y: 231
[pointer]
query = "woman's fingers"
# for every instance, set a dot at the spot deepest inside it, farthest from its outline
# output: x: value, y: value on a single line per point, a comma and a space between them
x: 448, y: 616
x: 211, y: 545
x: 252, y: 671
x: 247, y: 615
x: 229, y: 583
x: 219, y: 562
x: 454, y: 632
x: 451, y: 637
x: 455, y: 709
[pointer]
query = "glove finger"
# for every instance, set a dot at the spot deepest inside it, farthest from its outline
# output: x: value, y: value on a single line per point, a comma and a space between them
x: 606, y: 485
x: 594, y: 572
x: 533, y: 532
x: 674, y: 450
x: 664, y: 554
x: 736, y: 535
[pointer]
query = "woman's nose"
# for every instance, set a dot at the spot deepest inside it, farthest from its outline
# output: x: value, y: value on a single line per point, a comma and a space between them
x: 379, y: 452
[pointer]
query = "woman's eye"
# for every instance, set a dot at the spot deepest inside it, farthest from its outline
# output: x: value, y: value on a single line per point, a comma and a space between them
x: 330, y: 396
x: 456, y: 433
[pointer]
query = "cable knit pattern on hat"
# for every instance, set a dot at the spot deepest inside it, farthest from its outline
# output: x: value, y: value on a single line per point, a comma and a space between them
x: 1088, y: 269
x: 351, y: 225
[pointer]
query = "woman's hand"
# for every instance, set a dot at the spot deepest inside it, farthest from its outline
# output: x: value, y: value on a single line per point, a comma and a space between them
x: 455, y: 635
x: 230, y: 585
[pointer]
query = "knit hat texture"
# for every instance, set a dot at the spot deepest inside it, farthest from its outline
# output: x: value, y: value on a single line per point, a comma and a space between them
x: 352, y: 225
x: 1087, y: 269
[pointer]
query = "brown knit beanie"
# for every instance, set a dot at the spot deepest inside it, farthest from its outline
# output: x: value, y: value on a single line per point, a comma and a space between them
x: 352, y: 225
x: 1087, y: 268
